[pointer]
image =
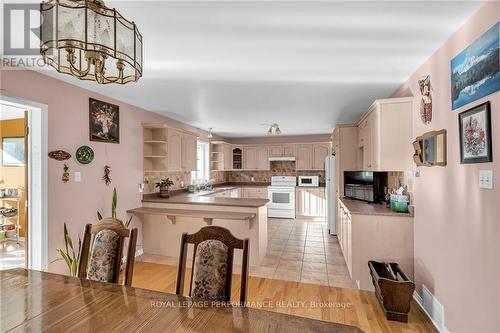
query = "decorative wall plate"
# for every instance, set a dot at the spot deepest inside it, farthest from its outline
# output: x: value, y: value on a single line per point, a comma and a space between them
x: 59, y: 155
x: 84, y: 155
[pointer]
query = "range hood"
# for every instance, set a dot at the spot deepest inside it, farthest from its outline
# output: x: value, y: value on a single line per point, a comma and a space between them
x: 285, y: 158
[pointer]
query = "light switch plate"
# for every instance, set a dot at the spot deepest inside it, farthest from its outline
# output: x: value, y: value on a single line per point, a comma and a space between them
x: 78, y: 177
x: 486, y: 179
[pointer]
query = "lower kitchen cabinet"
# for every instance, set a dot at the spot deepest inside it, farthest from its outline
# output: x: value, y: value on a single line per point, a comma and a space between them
x: 310, y: 202
x: 254, y: 192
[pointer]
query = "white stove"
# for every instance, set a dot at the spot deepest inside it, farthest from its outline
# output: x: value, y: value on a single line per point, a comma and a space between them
x: 281, y: 196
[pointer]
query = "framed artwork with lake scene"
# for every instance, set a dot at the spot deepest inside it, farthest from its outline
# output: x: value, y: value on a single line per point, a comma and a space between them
x: 104, y: 122
x: 475, y: 134
x: 475, y: 72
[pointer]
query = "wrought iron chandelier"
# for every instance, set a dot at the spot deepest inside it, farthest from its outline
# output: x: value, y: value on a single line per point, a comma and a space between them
x: 90, y: 41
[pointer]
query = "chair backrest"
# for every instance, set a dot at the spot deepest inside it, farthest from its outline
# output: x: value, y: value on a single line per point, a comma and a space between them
x: 102, y: 250
x: 212, y: 243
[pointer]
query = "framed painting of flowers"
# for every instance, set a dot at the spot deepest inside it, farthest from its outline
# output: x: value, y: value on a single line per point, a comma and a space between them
x: 104, y: 122
x: 475, y: 135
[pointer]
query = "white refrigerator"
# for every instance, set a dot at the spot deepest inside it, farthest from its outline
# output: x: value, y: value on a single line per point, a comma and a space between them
x: 330, y: 192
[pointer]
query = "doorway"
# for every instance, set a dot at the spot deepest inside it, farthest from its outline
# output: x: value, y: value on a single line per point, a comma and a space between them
x: 23, y: 184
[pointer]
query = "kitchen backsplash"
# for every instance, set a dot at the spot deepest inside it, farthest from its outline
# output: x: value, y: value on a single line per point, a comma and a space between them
x: 277, y: 168
x: 395, y: 179
x: 181, y: 179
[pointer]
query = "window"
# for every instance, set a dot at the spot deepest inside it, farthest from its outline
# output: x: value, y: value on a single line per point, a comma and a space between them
x: 202, y: 172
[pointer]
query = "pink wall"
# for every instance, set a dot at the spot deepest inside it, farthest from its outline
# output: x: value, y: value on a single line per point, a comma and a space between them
x: 457, y: 225
x: 76, y: 203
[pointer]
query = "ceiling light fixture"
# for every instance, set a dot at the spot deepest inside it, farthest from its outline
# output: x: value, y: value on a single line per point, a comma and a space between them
x: 274, y: 129
x: 210, y: 135
x: 90, y: 41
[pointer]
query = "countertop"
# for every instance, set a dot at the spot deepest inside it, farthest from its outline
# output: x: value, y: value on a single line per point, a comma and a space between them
x: 357, y: 207
x: 204, y: 198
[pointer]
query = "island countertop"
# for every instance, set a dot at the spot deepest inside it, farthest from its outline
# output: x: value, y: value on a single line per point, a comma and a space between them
x: 204, y: 198
x: 358, y: 207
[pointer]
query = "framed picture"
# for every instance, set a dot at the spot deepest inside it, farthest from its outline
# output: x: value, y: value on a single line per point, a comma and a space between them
x: 104, y: 122
x: 13, y: 151
x: 475, y: 134
x: 475, y: 72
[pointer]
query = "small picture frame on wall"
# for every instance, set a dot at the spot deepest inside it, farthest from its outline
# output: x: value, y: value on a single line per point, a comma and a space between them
x: 475, y: 135
x: 104, y: 121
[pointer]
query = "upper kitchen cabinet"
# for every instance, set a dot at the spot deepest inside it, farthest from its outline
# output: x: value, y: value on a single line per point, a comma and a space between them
x: 345, y: 146
x: 263, y: 158
x: 237, y: 158
x: 311, y: 156
x: 385, y: 136
x: 155, y: 147
x: 304, y: 157
x: 174, y: 141
x: 221, y: 156
x: 188, y: 154
x: 250, y: 158
x: 285, y: 150
x: 320, y: 152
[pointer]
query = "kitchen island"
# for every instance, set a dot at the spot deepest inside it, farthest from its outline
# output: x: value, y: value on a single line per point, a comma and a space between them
x: 165, y: 219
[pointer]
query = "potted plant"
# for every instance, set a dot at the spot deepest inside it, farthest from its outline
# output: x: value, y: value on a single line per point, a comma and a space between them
x: 164, y: 184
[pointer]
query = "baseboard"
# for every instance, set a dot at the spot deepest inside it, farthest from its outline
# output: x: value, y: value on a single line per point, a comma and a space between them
x: 418, y: 299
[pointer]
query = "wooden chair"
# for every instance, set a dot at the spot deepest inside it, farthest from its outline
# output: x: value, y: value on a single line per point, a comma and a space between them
x: 102, y: 251
x: 212, y: 239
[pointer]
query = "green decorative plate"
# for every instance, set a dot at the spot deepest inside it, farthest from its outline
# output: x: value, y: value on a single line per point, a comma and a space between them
x: 84, y: 155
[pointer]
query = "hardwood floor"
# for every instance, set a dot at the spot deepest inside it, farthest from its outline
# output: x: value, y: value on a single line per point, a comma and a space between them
x: 340, y: 305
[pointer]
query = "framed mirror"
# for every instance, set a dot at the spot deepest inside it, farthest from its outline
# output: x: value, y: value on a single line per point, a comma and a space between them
x: 430, y: 149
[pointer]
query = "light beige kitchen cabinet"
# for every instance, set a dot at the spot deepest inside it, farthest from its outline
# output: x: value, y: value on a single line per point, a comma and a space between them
x: 174, y: 157
x: 345, y: 145
x: 320, y: 152
x: 304, y: 157
x: 344, y: 233
x: 221, y: 156
x: 310, y: 202
x: 385, y: 135
x: 188, y: 154
x: 250, y: 158
x: 263, y: 158
x: 227, y: 156
x: 254, y: 192
x: 285, y: 150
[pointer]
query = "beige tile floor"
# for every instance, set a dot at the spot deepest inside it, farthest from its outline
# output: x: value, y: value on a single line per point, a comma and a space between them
x: 298, y: 250
x: 11, y: 254
x: 303, y: 251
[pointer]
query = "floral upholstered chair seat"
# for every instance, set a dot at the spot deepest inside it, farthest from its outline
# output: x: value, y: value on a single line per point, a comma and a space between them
x: 210, y: 269
x: 103, y: 256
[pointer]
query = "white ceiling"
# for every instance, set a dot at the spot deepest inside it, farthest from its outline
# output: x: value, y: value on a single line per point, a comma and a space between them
x: 305, y: 65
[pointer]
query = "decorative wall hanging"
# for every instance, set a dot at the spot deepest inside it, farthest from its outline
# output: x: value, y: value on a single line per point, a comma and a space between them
x: 475, y: 72
x: 90, y: 41
x: 475, y: 134
x: 426, y: 101
x: 430, y: 149
x: 104, y: 122
x: 84, y: 155
x: 107, y: 175
x: 13, y: 151
x: 59, y: 155
x: 65, y: 176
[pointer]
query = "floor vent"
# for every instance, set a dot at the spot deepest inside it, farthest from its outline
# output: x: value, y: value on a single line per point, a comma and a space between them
x: 432, y: 307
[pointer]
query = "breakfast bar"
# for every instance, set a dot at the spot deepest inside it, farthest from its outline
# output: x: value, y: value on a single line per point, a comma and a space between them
x: 165, y: 219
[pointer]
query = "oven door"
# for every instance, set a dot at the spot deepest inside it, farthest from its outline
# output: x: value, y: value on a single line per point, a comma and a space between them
x: 281, y: 198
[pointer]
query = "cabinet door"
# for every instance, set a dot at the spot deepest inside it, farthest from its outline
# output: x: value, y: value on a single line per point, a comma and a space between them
x: 228, y: 157
x: 368, y: 142
x: 304, y: 157
x: 255, y: 192
x: 250, y: 158
x: 289, y: 150
x: 275, y: 151
x: 174, y: 154
x: 320, y: 152
x: 263, y: 158
x: 301, y: 202
x: 189, y: 152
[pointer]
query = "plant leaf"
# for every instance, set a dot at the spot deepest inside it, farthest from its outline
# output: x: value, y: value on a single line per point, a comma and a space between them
x: 66, y: 237
x: 66, y: 259
x: 128, y: 222
x: 114, y: 203
x: 99, y: 216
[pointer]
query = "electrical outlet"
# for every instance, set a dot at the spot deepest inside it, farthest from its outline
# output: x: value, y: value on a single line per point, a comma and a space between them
x: 486, y: 179
x: 78, y: 177
x: 141, y: 187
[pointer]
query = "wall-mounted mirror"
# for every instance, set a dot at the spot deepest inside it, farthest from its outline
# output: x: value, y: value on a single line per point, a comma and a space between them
x: 430, y: 149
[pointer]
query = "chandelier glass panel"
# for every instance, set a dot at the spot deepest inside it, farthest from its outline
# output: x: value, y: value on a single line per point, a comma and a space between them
x: 85, y: 39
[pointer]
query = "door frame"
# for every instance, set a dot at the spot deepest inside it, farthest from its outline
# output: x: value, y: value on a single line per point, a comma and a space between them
x: 37, y: 211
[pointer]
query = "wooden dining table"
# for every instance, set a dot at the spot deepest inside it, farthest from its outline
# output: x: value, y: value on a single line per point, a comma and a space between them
x: 34, y: 301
